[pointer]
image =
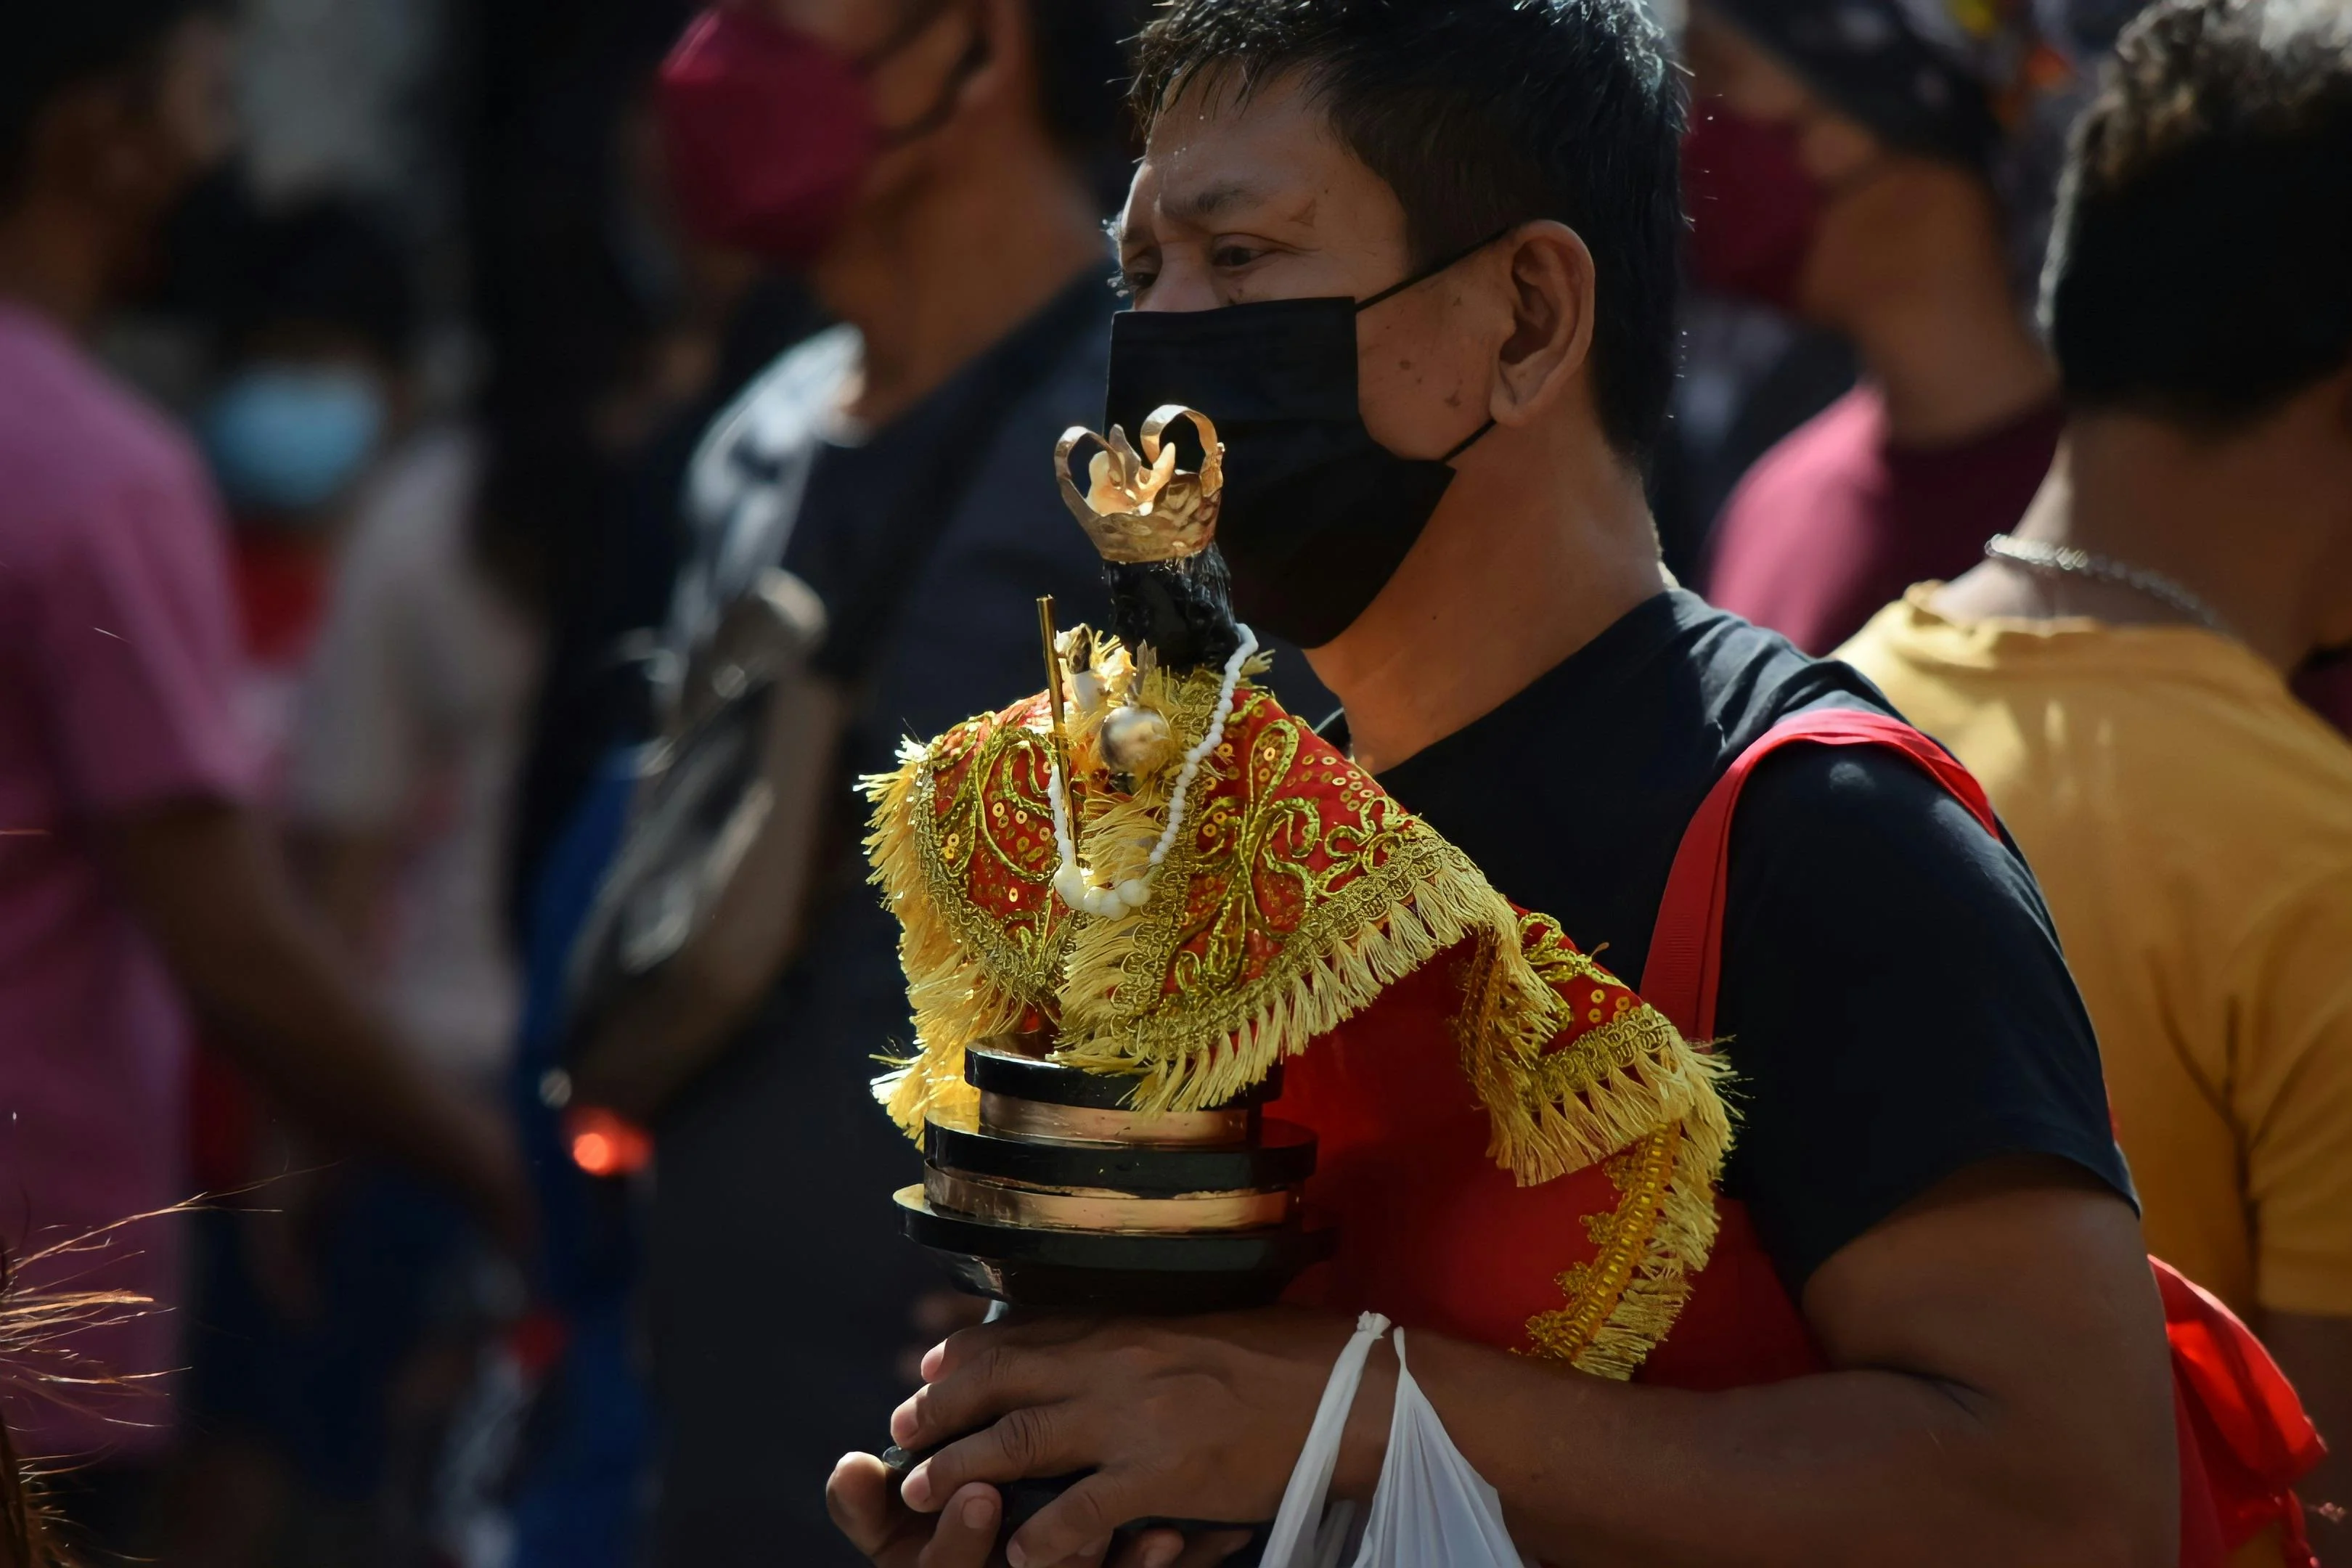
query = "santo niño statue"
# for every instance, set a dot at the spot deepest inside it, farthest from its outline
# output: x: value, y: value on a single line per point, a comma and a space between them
x: 1155, y: 926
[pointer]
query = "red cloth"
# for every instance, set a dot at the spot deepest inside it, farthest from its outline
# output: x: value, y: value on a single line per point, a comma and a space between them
x: 2242, y: 1420
x: 2243, y: 1436
x: 1835, y: 522
x: 1433, y: 1232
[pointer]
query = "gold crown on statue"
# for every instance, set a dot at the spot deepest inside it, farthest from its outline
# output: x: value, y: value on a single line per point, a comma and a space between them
x: 1141, y: 507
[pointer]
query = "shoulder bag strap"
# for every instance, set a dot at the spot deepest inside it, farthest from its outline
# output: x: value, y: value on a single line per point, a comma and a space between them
x: 1686, y: 949
x: 2246, y: 1439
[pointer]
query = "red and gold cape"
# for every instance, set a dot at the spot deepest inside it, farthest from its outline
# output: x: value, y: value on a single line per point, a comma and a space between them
x: 1558, y: 1142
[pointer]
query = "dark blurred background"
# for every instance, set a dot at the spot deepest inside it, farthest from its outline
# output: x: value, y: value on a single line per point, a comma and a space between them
x: 448, y: 353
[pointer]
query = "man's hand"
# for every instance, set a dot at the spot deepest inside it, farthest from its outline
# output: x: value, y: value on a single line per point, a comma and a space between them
x: 1999, y: 1392
x: 963, y: 1534
x: 892, y: 1535
x: 1196, y: 1419
x: 936, y: 1315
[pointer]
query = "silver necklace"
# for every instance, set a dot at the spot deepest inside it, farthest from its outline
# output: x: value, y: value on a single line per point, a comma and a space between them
x: 2065, y: 561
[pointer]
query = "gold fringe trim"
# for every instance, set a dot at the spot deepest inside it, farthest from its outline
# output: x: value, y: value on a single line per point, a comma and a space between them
x: 1623, y: 1304
x: 1611, y: 1085
x: 1206, y: 1045
x: 966, y: 980
x: 1415, y: 896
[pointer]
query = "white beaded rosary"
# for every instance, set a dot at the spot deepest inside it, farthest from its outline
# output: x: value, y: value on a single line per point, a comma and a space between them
x: 1071, y: 882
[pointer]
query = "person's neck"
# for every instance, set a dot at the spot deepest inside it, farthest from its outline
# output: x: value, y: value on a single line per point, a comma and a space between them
x: 2238, y: 522
x: 55, y: 263
x: 948, y: 272
x: 1944, y: 343
x: 1531, y: 556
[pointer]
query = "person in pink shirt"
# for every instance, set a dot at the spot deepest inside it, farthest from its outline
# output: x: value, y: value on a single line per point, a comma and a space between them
x: 136, y: 881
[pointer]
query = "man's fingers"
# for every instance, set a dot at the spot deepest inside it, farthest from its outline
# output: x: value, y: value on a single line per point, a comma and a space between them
x: 965, y: 1536
x: 858, y: 1498
x: 1093, y: 1556
x: 1017, y: 1333
x: 1152, y: 1549
x: 1213, y: 1548
x: 1029, y: 1440
x: 1168, y: 1549
x: 974, y: 1378
x: 1088, y: 1512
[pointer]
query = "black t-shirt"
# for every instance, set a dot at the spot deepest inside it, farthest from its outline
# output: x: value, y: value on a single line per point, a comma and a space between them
x: 1892, y: 997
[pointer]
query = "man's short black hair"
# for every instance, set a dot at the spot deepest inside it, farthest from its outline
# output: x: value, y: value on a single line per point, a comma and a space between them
x: 56, y: 44
x: 1481, y: 114
x: 1081, y: 70
x: 2201, y: 267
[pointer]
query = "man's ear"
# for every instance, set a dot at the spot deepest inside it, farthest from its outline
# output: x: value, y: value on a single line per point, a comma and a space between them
x: 999, y: 51
x: 1550, y: 276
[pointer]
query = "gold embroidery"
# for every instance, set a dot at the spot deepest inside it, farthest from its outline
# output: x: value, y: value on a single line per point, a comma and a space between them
x: 1620, y: 1305
x: 971, y: 972
x: 1595, y: 1290
x: 1298, y: 893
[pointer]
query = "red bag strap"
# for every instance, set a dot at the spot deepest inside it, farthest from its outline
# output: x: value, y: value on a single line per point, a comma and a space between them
x: 2225, y: 1383
x: 1686, y: 949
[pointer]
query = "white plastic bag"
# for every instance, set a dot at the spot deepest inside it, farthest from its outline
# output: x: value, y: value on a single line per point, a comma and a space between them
x: 1431, y: 1508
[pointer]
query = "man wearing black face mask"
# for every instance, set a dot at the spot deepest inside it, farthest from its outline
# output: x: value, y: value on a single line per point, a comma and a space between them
x: 1923, y: 1153
x: 929, y: 167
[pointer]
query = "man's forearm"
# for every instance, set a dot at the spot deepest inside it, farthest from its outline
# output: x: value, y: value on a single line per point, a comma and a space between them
x: 1851, y: 1467
x: 215, y: 892
x: 2003, y: 1396
x: 292, y: 1017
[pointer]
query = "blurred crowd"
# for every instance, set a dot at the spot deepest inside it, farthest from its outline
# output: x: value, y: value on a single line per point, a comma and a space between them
x: 400, y: 401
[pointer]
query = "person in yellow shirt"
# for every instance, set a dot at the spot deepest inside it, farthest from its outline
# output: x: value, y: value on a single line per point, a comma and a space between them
x: 2116, y: 672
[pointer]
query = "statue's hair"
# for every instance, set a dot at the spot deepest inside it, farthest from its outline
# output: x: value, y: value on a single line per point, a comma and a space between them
x: 38, y: 1360
x: 26, y: 1538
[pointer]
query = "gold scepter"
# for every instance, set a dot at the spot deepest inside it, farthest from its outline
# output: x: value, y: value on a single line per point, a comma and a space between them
x: 1052, y: 640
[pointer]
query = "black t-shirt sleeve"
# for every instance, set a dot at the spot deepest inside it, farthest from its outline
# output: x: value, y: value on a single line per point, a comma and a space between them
x: 1895, y: 1004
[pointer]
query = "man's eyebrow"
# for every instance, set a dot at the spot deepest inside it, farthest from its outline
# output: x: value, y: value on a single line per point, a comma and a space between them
x: 1201, y: 205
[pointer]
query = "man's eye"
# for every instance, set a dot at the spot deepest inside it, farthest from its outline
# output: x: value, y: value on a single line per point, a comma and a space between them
x: 1225, y: 258
x: 1130, y: 282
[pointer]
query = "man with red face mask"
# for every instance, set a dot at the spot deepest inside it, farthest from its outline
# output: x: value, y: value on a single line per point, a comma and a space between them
x: 929, y: 167
x: 1840, y: 168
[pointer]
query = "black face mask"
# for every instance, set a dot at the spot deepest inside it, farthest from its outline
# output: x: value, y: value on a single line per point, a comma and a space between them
x: 1317, y: 516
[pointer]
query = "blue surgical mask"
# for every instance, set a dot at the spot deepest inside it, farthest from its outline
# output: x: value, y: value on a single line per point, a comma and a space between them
x: 290, y: 438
